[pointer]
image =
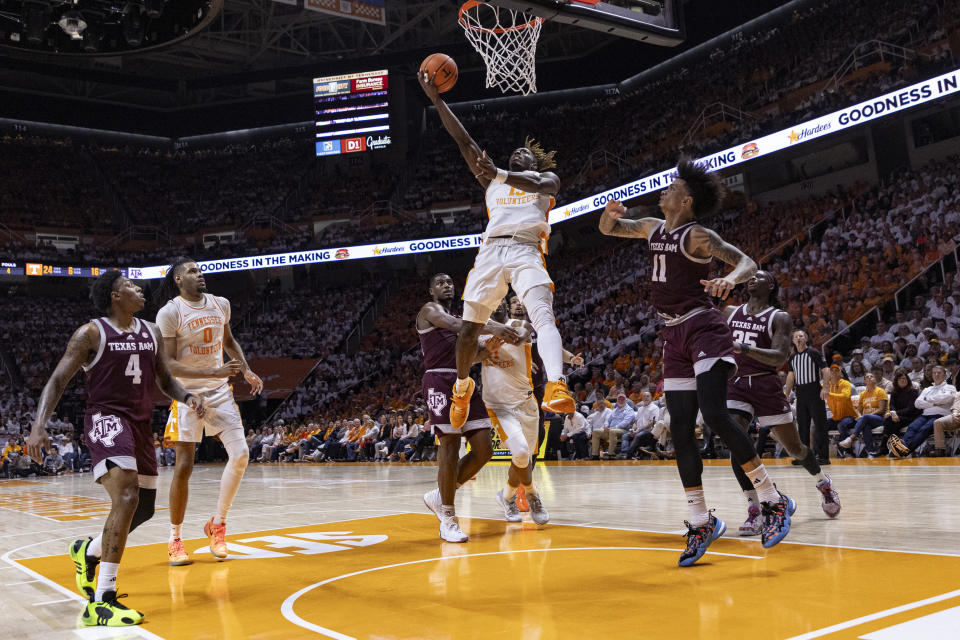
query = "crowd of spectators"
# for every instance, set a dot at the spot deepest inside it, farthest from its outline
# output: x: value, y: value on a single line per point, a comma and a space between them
x: 229, y: 186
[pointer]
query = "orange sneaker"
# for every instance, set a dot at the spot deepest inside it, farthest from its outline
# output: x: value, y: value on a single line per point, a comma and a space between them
x: 522, y: 504
x: 556, y: 398
x: 217, y: 534
x: 177, y: 554
x: 460, y: 404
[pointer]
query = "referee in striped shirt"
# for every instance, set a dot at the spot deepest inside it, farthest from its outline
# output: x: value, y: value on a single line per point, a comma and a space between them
x: 807, y: 372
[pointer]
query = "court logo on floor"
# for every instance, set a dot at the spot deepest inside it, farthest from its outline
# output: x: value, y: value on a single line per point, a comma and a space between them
x: 302, y: 543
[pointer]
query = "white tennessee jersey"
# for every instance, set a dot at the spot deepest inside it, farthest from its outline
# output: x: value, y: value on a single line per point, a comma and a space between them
x: 516, y: 213
x: 507, y: 376
x: 198, y: 330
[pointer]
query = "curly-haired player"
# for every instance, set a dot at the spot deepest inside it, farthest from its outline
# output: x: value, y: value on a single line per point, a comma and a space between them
x: 518, y: 203
x: 698, y: 356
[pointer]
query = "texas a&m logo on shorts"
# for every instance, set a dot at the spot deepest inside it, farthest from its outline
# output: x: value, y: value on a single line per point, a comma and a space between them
x: 105, y: 429
x: 436, y: 401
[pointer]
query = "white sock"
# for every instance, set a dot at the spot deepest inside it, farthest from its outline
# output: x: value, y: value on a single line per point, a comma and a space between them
x: 764, y: 486
x: 509, y: 492
x: 107, y: 579
x: 698, y: 507
x: 550, y: 348
x: 447, y: 511
x: 175, y: 531
x: 95, y: 548
x: 821, y: 477
x: 752, y: 499
x: 461, y: 386
x: 237, y: 456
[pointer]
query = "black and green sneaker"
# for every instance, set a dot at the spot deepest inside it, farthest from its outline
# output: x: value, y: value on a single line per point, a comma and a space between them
x: 86, y: 568
x: 110, y: 613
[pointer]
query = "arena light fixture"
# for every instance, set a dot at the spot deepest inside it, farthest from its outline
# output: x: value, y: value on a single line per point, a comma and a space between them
x: 73, y: 24
x: 101, y: 27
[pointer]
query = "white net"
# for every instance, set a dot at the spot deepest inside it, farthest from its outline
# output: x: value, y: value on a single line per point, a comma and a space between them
x: 507, y: 41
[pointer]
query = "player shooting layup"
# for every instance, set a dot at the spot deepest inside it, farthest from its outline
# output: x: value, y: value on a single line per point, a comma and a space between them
x: 196, y: 330
x: 518, y: 203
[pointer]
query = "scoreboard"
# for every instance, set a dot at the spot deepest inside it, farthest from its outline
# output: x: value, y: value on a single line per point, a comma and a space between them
x: 351, y: 112
x: 11, y: 268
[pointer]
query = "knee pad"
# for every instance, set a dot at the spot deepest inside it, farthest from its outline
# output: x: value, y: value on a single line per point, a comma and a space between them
x: 539, y: 304
x: 238, y: 454
x: 521, y: 456
x: 145, y: 507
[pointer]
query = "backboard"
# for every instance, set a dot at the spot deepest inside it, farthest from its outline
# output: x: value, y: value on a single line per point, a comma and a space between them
x: 657, y: 22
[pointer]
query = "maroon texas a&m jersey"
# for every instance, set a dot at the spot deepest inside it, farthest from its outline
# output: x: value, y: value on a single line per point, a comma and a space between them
x: 755, y: 331
x: 675, y: 287
x: 439, y: 347
x: 120, y: 379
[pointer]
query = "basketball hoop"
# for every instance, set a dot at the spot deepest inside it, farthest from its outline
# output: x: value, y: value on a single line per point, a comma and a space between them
x: 507, y: 41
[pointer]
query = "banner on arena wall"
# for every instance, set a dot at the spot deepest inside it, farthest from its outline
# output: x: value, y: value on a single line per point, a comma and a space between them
x: 365, y: 10
x: 893, y: 102
x: 315, y: 256
x: 280, y: 377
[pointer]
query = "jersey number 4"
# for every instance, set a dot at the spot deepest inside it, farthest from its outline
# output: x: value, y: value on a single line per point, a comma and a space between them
x: 133, y: 368
x: 659, y: 267
x: 745, y: 337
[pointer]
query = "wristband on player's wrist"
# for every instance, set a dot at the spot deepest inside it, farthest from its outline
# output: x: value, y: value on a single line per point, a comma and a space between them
x: 187, y: 397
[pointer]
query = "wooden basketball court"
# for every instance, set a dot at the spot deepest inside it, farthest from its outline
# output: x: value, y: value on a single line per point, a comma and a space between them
x: 349, y: 551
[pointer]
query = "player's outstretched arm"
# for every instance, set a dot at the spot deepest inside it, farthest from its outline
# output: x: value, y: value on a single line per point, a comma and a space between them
x: 779, y: 350
x: 706, y: 243
x: 435, y: 315
x: 170, y: 386
x: 233, y: 349
x: 469, y: 149
x: 528, y: 181
x: 82, y: 348
x: 612, y: 222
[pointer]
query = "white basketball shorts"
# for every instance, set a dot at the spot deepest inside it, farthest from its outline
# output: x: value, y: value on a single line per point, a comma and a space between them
x: 499, y: 264
x: 222, y: 413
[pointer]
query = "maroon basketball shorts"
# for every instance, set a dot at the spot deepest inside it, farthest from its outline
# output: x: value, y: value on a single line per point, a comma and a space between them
x: 114, y: 437
x: 437, y: 392
x: 762, y: 397
x: 693, y: 346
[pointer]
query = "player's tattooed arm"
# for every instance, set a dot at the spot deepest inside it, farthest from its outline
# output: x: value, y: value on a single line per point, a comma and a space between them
x: 469, y: 149
x: 433, y: 314
x: 81, y: 349
x: 170, y: 386
x: 706, y: 243
x: 612, y: 222
x: 779, y: 351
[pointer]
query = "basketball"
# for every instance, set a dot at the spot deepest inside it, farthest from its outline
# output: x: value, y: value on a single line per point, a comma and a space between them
x: 442, y: 71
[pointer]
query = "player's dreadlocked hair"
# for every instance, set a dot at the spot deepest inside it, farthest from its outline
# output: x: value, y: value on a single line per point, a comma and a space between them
x: 168, y: 288
x: 101, y: 289
x: 705, y: 188
x: 545, y: 159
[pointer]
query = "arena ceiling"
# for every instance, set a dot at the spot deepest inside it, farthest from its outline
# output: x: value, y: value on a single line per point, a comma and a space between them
x: 260, y: 49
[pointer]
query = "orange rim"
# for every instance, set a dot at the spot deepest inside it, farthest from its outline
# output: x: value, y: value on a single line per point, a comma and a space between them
x: 470, y: 4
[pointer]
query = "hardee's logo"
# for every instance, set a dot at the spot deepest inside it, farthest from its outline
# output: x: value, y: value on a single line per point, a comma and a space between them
x: 379, y: 251
x: 341, y: 254
x: 794, y: 136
